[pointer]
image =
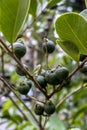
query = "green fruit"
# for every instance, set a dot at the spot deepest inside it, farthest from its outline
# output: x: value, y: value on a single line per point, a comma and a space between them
x: 84, y: 69
x: 51, y: 77
x: 20, y: 71
x: 30, y: 83
x: 41, y: 81
x: 43, y: 72
x: 49, y: 107
x: 61, y: 73
x: 82, y: 57
x: 19, y: 49
x: 38, y: 109
x: 24, y: 88
x: 48, y: 46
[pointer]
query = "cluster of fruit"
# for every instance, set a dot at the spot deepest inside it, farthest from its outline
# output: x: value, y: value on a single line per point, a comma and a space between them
x: 51, y: 77
x: 48, y: 108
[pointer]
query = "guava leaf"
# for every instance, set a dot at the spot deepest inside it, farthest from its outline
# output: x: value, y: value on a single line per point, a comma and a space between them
x: 84, y: 13
x: 86, y: 3
x: 12, y: 16
x: 72, y: 27
x: 70, y: 49
x: 55, y: 123
x: 33, y: 7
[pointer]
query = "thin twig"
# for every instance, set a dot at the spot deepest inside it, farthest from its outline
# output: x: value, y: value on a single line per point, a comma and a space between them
x: 28, y: 75
x: 9, y: 86
x: 2, y: 62
x: 25, y: 117
x: 35, y: 99
x: 46, y: 120
x: 69, y: 95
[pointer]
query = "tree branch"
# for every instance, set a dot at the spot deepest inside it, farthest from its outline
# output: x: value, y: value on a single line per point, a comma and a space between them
x: 28, y: 75
x: 25, y: 117
x: 9, y: 86
x: 64, y: 82
x: 35, y: 99
x: 69, y: 95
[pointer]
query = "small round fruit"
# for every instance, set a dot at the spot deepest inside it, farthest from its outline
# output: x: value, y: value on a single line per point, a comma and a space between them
x: 41, y: 81
x: 61, y: 73
x: 82, y: 57
x: 84, y: 69
x: 20, y: 71
x: 30, y: 83
x: 50, y: 77
x: 23, y: 88
x: 38, y: 109
x: 19, y: 49
x: 43, y: 72
x: 48, y: 46
x: 49, y: 107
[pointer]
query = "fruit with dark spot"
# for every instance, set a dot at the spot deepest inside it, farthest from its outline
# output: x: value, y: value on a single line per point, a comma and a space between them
x: 49, y: 107
x: 48, y: 46
x: 19, y: 49
x: 38, y: 109
x: 23, y: 88
x: 51, y: 77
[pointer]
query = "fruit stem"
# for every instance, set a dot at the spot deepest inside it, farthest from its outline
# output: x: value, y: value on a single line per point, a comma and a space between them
x: 35, y: 99
x: 46, y: 60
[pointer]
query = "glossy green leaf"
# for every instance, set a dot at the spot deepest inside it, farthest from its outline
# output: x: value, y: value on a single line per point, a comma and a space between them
x: 12, y: 17
x: 72, y: 27
x: 69, y: 48
x: 52, y: 3
x: 86, y: 3
x: 55, y: 123
x: 33, y: 7
x: 84, y: 13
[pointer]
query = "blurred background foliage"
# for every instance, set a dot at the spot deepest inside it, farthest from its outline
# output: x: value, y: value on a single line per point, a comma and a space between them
x: 72, y: 113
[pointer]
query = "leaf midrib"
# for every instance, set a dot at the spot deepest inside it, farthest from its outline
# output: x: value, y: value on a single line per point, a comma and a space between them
x: 74, y: 34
